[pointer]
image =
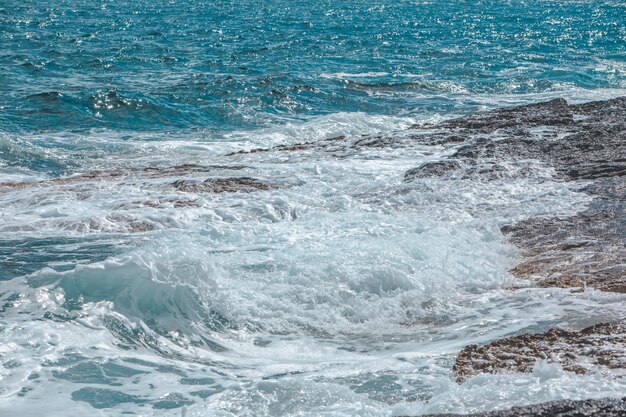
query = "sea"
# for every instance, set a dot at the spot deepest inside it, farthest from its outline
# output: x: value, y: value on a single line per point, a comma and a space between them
x: 168, y: 247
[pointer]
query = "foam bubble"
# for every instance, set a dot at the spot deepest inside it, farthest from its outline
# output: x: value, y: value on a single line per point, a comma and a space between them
x: 343, y: 290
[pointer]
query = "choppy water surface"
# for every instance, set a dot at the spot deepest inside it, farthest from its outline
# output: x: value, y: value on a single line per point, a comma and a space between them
x: 336, y: 288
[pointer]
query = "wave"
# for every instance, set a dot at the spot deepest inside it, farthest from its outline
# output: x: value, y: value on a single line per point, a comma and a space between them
x: 162, y: 298
x: 344, y: 75
x: 66, y: 110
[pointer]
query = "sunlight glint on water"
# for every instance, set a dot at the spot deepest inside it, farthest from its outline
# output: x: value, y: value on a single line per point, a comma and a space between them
x: 337, y: 289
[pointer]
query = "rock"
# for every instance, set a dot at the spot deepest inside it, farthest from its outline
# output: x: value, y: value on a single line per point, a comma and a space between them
x: 431, y: 169
x: 552, y: 113
x: 375, y: 142
x: 223, y: 185
x: 602, y: 344
x: 608, y: 407
x: 125, y: 174
x: 581, y: 142
x: 322, y: 145
x: 340, y: 145
x: 592, y: 147
x: 585, y: 142
x: 585, y: 250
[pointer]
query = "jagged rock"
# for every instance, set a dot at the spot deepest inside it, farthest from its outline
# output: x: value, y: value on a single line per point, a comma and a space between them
x: 608, y: 407
x: 322, y: 145
x: 585, y: 250
x: 223, y: 185
x: 585, y: 141
x: 552, y: 113
x: 555, y: 112
x: 375, y: 142
x: 125, y: 174
x: 581, y: 142
x: 431, y: 169
x: 602, y: 344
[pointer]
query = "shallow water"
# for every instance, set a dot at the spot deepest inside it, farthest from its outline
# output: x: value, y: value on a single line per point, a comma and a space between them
x: 338, y: 289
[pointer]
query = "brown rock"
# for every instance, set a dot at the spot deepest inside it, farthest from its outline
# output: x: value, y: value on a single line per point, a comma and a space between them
x: 608, y: 407
x: 223, y: 185
x: 601, y: 344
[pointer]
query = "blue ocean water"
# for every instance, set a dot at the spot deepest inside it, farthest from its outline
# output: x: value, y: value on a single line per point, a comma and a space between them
x: 220, y: 66
x: 128, y: 287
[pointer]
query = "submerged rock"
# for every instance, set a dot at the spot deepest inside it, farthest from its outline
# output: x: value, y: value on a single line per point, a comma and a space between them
x: 551, y: 113
x: 125, y: 174
x: 185, y: 184
x: 338, y: 146
x: 608, y: 407
x: 223, y: 185
x: 583, y: 143
x: 431, y: 169
x: 576, y: 351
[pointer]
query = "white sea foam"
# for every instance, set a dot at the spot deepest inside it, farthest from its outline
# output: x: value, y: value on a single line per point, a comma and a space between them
x: 343, y: 75
x: 344, y: 291
x: 573, y: 95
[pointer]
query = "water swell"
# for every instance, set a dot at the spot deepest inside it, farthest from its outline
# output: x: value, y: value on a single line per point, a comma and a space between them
x: 286, y: 265
x: 219, y: 72
x: 108, y: 107
x: 246, y: 208
x: 142, y: 293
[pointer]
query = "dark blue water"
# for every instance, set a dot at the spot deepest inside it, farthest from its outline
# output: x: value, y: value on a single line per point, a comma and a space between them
x: 130, y: 286
x: 162, y: 65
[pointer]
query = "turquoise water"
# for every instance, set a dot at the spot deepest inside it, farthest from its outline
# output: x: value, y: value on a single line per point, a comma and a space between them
x: 220, y: 66
x: 127, y: 287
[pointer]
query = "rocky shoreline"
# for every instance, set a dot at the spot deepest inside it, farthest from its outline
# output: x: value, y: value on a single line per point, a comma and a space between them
x: 584, y: 143
x: 608, y: 407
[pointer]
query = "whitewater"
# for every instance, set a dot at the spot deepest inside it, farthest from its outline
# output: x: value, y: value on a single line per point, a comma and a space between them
x: 193, y: 225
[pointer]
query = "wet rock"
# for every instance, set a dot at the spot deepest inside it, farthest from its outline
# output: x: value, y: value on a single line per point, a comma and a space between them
x: 552, y: 113
x: 125, y: 174
x: 431, y: 169
x: 11, y: 186
x: 302, y: 146
x: 566, y: 257
x: 88, y: 176
x: 223, y: 185
x: 586, y: 141
x: 160, y: 203
x: 340, y: 145
x: 590, y: 146
x: 588, y: 250
x: 581, y: 142
x: 578, y: 351
x: 375, y: 142
x: 608, y: 407
x: 585, y: 250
